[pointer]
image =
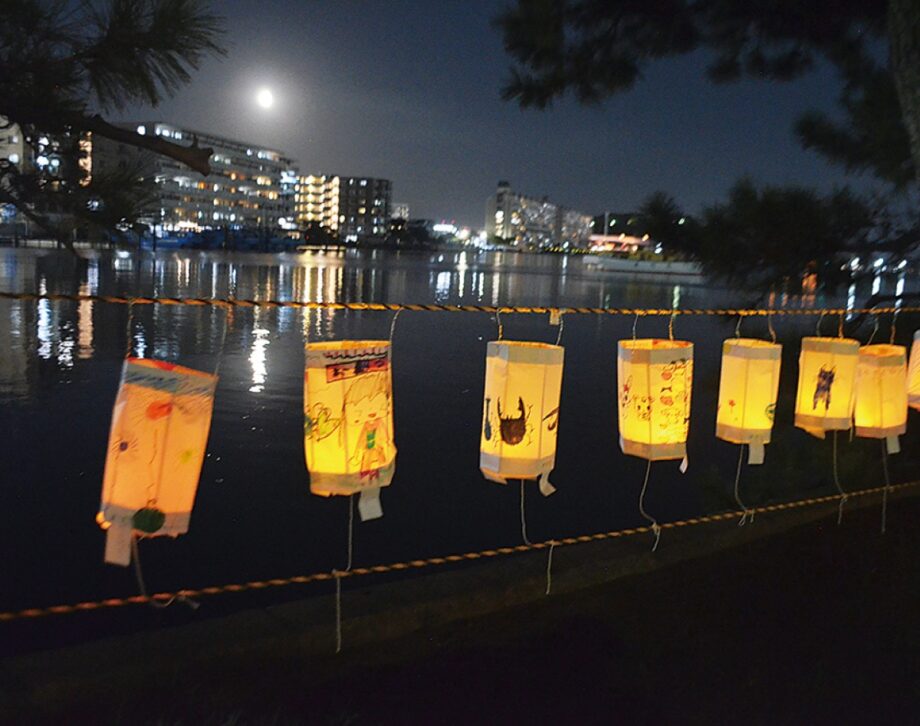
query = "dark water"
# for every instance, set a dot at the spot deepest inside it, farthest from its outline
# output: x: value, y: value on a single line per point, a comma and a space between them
x: 254, y: 517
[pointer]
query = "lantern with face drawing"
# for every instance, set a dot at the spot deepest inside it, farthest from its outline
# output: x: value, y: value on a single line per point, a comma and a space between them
x: 348, y: 420
x: 520, y: 411
x: 156, y: 448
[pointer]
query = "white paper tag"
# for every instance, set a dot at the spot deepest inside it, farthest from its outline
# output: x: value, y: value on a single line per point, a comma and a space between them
x: 893, y: 444
x: 545, y: 487
x: 118, y: 545
x: 369, y: 505
x: 755, y: 452
x: 683, y: 465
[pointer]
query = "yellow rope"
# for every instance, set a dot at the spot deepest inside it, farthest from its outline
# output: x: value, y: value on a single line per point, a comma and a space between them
x: 428, y: 562
x: 512, y: 309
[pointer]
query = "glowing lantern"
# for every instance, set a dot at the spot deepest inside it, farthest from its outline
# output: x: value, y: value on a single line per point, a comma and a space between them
x: 913, y: 379
x: 348, y: 420
x: 748, y: 386
x: 521, y: 412
x: 826, y: 389
x: 156, y: 448
x: 655, y: 380
x: 881, y: 393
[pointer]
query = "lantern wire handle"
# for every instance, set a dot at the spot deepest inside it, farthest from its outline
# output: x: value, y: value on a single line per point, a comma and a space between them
x: 561, y: 326
x: 738, y: 326
x: 524, y: 518
x: 887, y: 486
x: 894, y: 327
x: 393, y: 329
x: 656, y: 529
x: 635, y: 323
x: 671, y: 325
x: 770, y: 327
x: 501, y: 328
x: 549, y: 567
x: 874, y: 330
x: 142, y: 586
x: 843, y: 495
x: 840, y: 326
x: 747, y: 514
x: 818, y: 324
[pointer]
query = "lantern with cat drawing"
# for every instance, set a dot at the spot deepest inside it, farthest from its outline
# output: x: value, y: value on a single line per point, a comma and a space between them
x: 348, y: 420
x: 521, y: 411
x: 826, y: 388
x: 157, y: 443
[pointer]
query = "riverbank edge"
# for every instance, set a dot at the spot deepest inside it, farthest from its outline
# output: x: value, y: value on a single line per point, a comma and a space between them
x: 46, y: 683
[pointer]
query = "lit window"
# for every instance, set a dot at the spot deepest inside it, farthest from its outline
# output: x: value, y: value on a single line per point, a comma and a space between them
x: 142, y: 130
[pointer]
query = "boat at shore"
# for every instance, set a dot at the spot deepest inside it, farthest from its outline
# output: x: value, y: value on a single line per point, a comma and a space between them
x: 625, y: 265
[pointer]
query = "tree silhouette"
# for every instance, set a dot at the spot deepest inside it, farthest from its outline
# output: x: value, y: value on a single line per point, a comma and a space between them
x: 65, y: 64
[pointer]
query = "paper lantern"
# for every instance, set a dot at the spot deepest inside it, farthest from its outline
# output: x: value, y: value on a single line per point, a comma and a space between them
x: 654, y: 380
x: 156, y: 448
x: 521, y: 411
x: 748, y: 387
x: 348, y: 420
x: 913, y: 378
x: 881, y: 393
x: 827, y: 385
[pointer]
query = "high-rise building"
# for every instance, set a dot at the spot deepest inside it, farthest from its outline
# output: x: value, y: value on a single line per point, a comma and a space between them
x: 531, y: 222
x: 249, y: 186
x: 399, y: 210
x: 352, y: 207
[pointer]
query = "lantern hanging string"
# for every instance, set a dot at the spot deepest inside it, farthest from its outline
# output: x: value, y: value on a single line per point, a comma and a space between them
x: 498, y: 322
x: 874, y: 330
x: 549, y: 567
x: 393, y: 330
x: 738, y: 326
x: 115, y: 602
x: 338, y: 574
x: 770, y: 327
x: 840, y: 326
x: 744, y: 508
x: 843, y: 495
x: 656, y: 528
x: 524, y: 518
x: 818, y: 324
x: 887, y: 486
x: 635, y: 323
x: 671, y: 325
x: 129, y: 331
x: 894, y: 326
x: 142, y: 586
x: 561, y: 327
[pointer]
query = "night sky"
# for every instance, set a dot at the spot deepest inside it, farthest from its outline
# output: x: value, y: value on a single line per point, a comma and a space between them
x: 410, y: 90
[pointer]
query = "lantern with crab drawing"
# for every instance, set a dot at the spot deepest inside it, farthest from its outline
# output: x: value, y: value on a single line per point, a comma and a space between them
x: 157, y: 444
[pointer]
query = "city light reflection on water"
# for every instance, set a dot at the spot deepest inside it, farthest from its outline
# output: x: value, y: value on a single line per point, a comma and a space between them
x: 60, y: 361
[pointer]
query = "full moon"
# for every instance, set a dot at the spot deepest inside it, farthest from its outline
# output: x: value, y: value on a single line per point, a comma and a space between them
x: 265, y: 98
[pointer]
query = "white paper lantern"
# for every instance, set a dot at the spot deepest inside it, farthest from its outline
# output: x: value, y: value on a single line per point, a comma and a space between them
x: 913, y: 379
x: 881, y: 393
x: 348, y: 420
x: 654, y: 382
x: 748, y: 387
x: 521, y: 411
x: 827, y: 385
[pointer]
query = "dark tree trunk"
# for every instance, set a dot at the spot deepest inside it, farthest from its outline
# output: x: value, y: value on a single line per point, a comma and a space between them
x: 904, y: 36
